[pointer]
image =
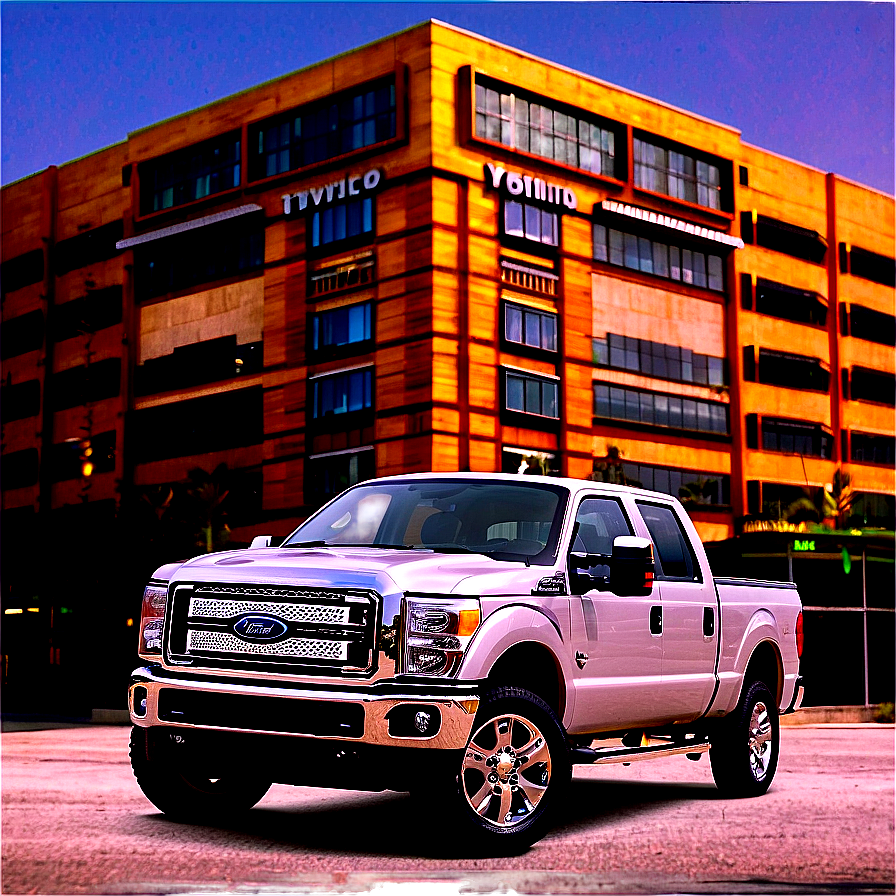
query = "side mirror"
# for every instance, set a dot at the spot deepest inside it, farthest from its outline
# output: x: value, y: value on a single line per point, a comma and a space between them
x: 261, y: 541
x: 631, y: 566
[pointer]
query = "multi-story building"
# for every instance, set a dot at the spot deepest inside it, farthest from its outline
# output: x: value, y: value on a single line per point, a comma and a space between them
x: 437, y: 252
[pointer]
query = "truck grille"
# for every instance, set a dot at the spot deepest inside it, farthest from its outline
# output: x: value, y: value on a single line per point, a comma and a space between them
x: 317, y: 631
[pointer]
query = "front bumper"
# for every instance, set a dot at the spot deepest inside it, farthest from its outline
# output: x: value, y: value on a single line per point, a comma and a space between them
x: 381, y: 716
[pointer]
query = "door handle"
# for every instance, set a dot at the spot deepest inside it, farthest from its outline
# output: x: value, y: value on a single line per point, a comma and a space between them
x: 709, y: 622
x: 656, y: 620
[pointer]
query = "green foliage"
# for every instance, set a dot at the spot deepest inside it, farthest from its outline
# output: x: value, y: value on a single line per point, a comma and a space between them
x: 884, y: 713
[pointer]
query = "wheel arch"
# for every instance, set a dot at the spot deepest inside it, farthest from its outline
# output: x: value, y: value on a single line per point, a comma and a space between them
x: 534, y: 667
x: 766, y: 665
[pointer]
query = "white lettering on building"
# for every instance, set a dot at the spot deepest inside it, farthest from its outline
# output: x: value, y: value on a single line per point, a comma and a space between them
x: 353, y: 185
x: 518, y: 184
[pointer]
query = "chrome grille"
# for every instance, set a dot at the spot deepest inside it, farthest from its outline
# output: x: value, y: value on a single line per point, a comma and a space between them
x: 309, y: 631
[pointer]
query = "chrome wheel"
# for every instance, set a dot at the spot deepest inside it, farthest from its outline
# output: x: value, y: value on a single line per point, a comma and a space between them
x: 506, y: 770
x: 760, y: 741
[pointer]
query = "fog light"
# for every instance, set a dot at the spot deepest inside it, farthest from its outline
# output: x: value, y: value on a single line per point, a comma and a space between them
x: 422, y: 721
x: 140, y: 695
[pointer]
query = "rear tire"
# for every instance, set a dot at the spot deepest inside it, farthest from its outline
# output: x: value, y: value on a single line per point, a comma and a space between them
x: 514, y: 773
x: 182, y: 791
x: 745, y: 748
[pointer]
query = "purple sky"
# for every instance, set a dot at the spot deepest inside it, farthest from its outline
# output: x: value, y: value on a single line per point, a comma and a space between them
x: 813, y: 81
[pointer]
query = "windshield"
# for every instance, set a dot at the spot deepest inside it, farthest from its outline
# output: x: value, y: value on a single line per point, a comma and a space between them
x: 506, y: 520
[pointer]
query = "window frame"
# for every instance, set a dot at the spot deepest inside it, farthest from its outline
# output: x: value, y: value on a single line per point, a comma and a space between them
x: 334, y: 350
x: 527, y: 348
x: 696, y: 576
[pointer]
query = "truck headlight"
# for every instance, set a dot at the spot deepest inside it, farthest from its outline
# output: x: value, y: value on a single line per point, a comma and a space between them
x: 152, y: 618
x: 438, y: 630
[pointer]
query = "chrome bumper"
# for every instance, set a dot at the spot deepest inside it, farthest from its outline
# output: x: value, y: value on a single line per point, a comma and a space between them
x: 455, y: 712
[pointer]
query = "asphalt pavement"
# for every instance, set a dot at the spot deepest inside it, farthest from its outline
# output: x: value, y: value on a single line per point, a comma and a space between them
x: 74, y: 821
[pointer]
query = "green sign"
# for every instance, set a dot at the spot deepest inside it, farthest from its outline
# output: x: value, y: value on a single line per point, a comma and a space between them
x: 806, y: 545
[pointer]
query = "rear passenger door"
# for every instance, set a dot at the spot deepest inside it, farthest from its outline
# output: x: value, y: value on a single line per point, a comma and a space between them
x: 689, y: 614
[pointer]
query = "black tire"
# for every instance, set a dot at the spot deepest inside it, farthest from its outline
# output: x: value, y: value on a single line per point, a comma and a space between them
x: 182, y: 791
x: 514, y: 773
x: 744, y: 750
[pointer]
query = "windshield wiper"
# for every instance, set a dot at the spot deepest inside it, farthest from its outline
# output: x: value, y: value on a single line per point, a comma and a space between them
x: 341, y: 544
x: 306, y: 544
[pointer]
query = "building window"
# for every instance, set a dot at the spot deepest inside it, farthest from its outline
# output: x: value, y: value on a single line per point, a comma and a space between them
x: 533, y: 125
x: 784, y: 369
x: 87, y: 248
x: 531, y: 222
x: 529, y: 462
x: 342, y: 393
x: 656, y: 409
x: 323, y: 130
x: 795, y: 437
x: 326, y: 475
x: 677, y: 174
x: 530, y: 327
x: 351, y: 275
x: 67, y: 458
x: 20, y: 468
x: 348, y: 325
x: 865, y: 323
x: 867, y: 265
x: 21, y: 271
x: 638, y: 253
x: 99, y: 309
x: 22, y: 334
x: 780, y: 236
x: 531, y: 394
x: 189, y: 174
x: 666, y: 362
x: 209, y: 361
x: 691, y: 487
x: 342, y: 221
x: 87, y: 383
x: 788, y: 303
x: 20, y: 401
x: 865, y: 448
x: 872, y: 510
x: 203, y: 255
x: 872, y: 385
x: 525, y: 276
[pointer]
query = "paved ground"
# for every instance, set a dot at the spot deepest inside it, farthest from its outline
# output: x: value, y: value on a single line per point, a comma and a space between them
x: 74, y: 821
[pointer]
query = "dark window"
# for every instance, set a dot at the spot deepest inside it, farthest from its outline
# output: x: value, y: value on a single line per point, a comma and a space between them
x: 212, y: 423
x: 691, y: 487
x: 655, y: 409
x: 789, y: 303
x: 99, y: 309
x: 875, y: 326
x: 873, y: 510
x: 340, y: 221
x: 656, y: 359
x: 23, y: 270
x: 792, y: 371
x: 209, y: 253
x: 20, y: 401
x: 209, y: 361
x: 87, y: 383
x: 352, y: 275
x: 872, y: 449
x: 348, y: 325
x: 744, y: 176
x: 67, y: 458
x: 674, y: 554
x: 191, y: 173
x: 867, y: 265
x: 795, y: 437
x: 532, y: 223
x: 671, y: 262
x: 329, y: 475
x: 679, y: 173
x: 88, y: 248
x: 530, y: 394
x: 548, y: 129
x: 751, y: 427
x: 530, y: 327
x: 323, y: 130
x: 800, y: 242
x: 20, y: 468
x: 22, y: 334
x: 342, y: 393
x: 872, y: 385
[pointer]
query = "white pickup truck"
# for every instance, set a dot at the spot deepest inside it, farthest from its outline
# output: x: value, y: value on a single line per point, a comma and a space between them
x: 468, y: 638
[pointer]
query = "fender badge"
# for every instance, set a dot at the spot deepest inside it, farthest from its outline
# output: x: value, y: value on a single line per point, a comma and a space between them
x: 555, y: 584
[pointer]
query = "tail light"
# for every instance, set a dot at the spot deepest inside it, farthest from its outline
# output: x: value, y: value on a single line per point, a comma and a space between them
x: 152, y: 618
x: 799, y: 635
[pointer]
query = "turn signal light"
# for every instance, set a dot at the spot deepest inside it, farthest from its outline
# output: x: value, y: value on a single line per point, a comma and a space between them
x: 799, y: 635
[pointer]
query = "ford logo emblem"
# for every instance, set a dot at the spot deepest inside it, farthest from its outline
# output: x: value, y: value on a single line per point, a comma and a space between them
x: 254, y: 627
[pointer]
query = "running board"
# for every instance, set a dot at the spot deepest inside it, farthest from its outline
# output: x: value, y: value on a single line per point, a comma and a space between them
x: 588, y: 756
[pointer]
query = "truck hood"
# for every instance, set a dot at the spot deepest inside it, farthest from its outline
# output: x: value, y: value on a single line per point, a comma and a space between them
x: 386, y: 571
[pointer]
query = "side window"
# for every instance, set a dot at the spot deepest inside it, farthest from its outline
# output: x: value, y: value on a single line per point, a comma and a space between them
x: 599, y: 520
x: 674, y: 556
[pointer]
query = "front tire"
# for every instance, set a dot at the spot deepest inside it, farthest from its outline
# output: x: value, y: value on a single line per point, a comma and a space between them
x: 744, y: 752
x: 183, y: 791
x: 514, y: 772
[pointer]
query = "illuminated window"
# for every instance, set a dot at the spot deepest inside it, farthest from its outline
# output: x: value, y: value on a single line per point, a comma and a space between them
x: 343, y: 326
x: 342, y: 393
